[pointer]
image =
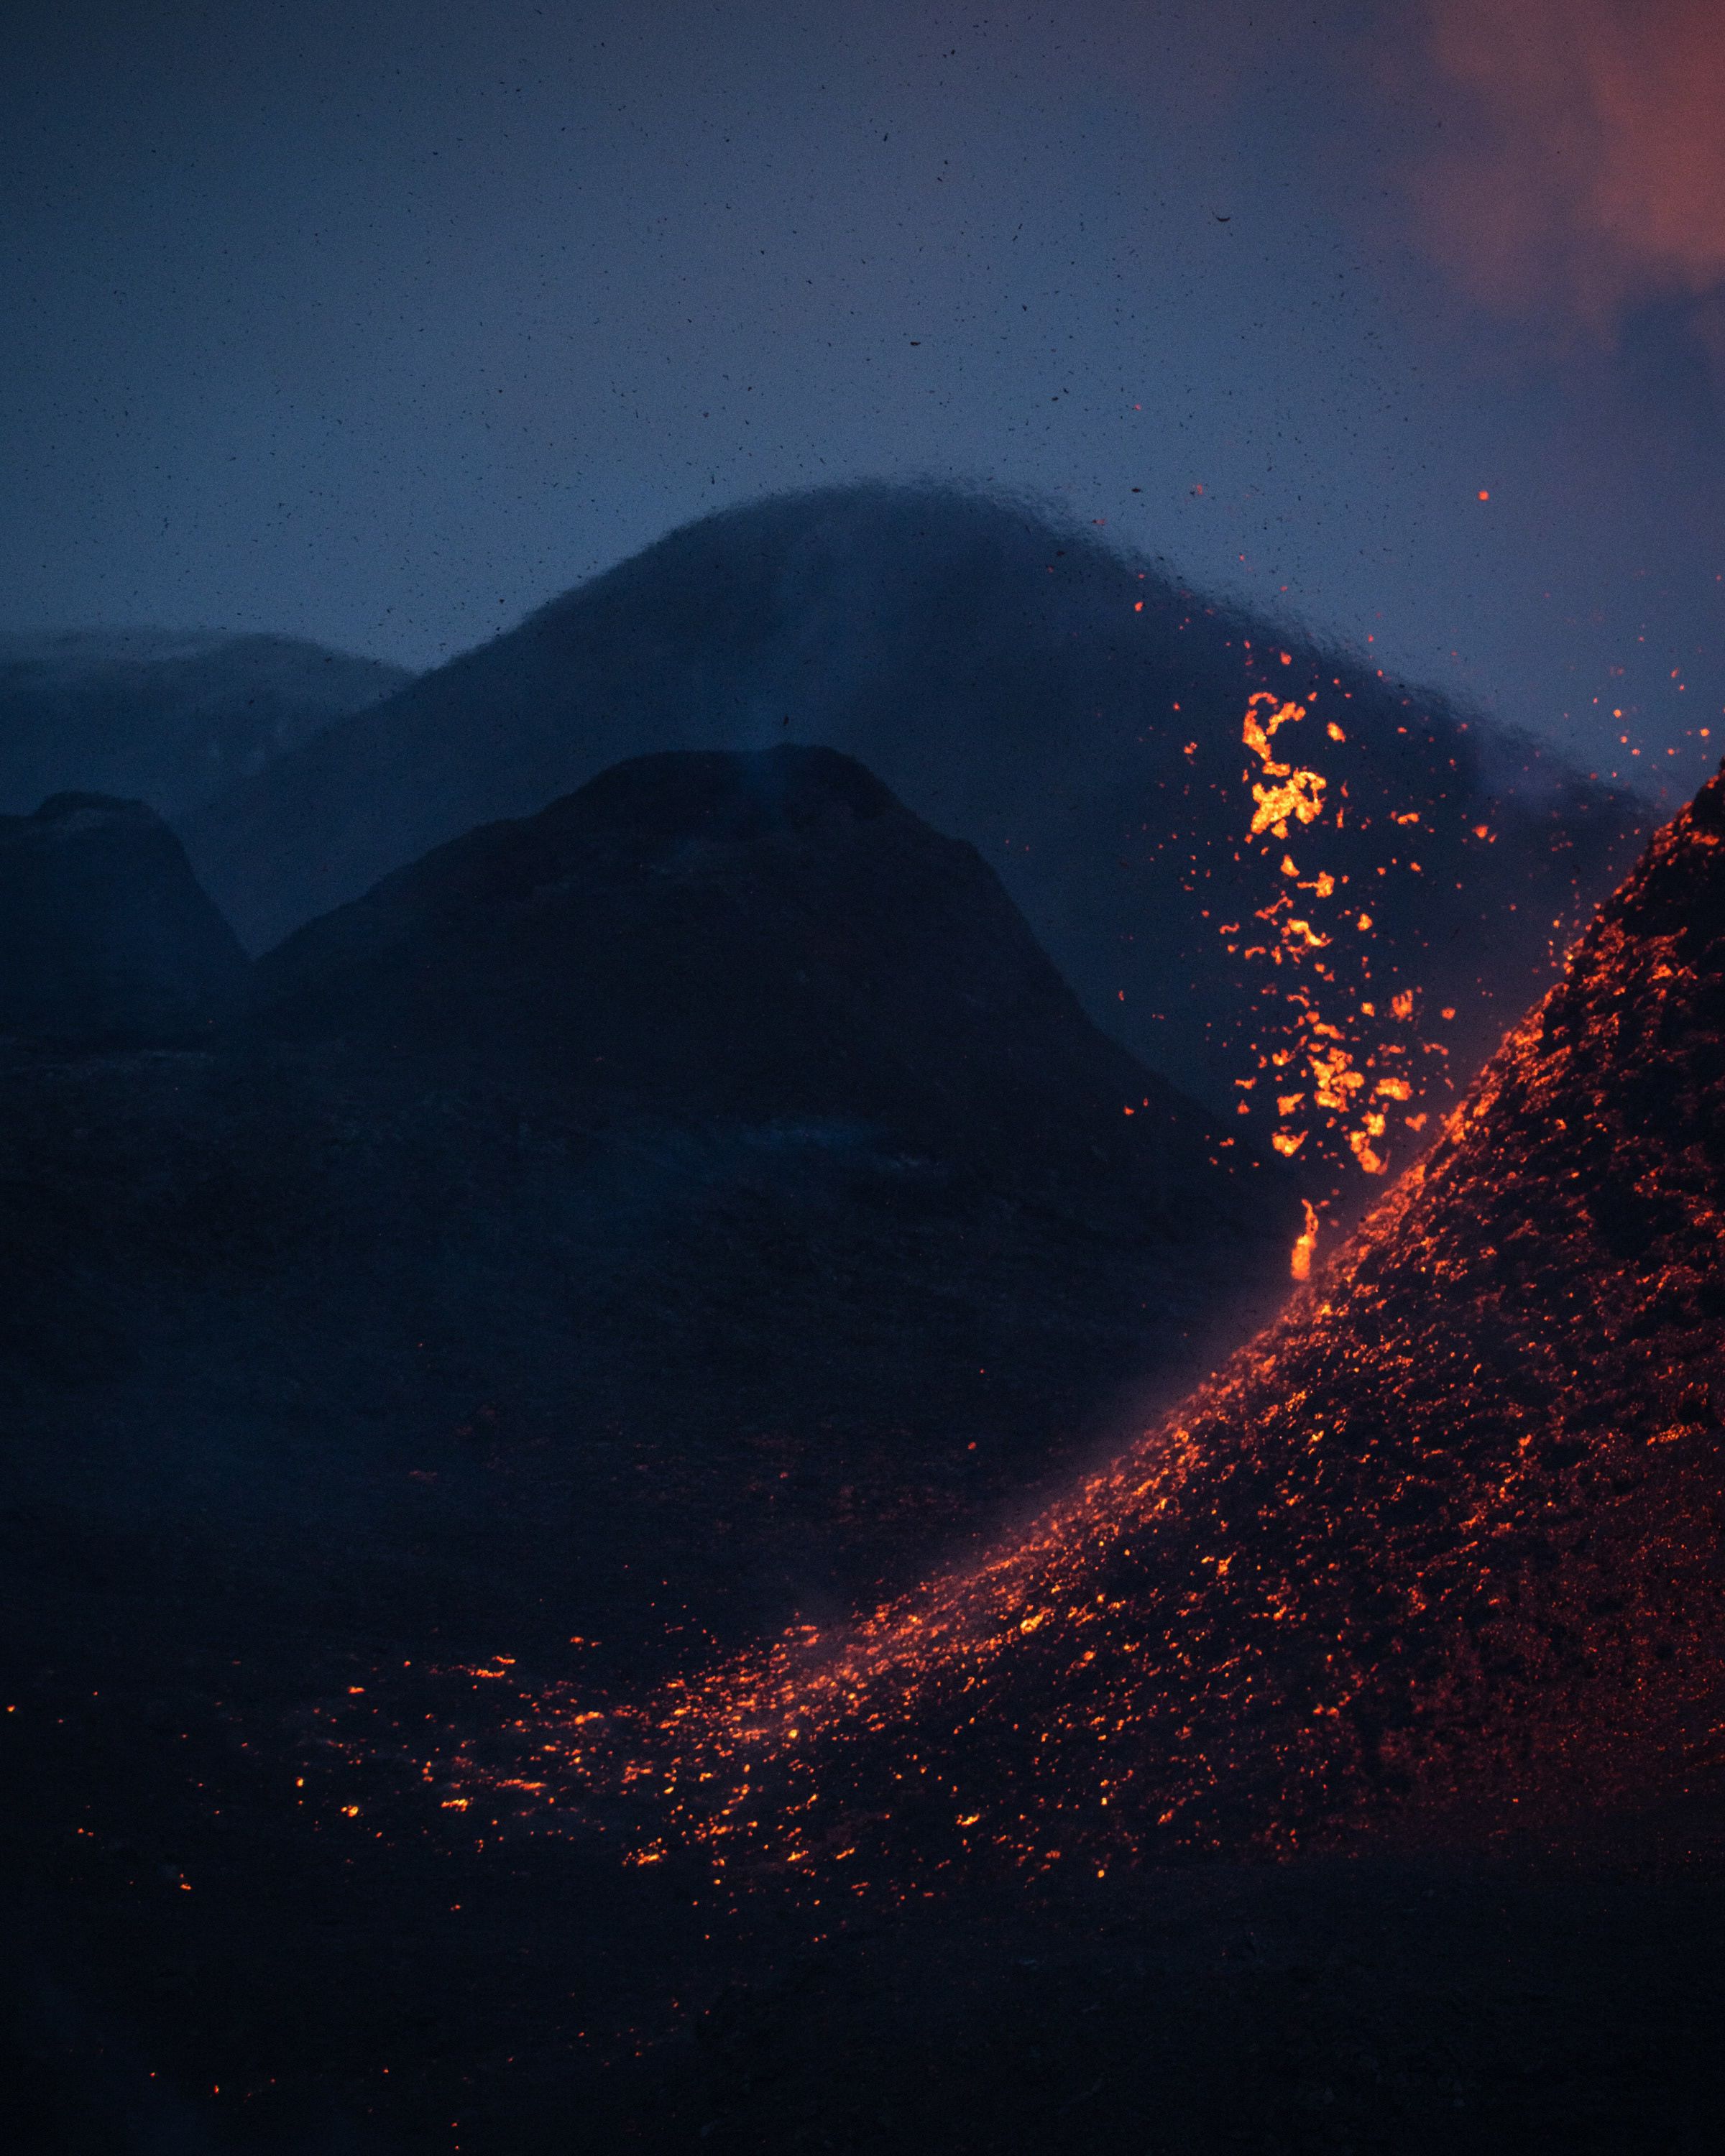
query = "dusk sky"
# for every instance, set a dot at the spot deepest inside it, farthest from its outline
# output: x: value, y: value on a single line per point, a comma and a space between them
x: 382, y: 323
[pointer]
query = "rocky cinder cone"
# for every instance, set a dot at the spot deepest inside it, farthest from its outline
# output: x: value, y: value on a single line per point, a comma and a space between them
x: 1074, y: 713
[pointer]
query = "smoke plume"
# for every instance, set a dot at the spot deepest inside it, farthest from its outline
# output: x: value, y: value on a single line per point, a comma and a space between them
x: 1591, y: 176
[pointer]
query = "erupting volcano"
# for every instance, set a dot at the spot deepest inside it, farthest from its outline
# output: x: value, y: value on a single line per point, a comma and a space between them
x: 1446, y: 1537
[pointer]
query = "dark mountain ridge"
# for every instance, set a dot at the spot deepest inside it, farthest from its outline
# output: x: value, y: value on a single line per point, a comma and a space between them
x: 754, y: 938
x: 171, y: 717
x: 104, y: 935
x: 1075, y: 714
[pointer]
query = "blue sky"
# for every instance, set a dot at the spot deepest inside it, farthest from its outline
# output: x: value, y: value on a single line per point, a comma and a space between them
x: 382, y: 324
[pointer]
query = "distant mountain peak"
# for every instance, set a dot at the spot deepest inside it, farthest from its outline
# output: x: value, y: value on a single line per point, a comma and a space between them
x: 757, y: 935
x: 740, y: 797
x: 170, y: 717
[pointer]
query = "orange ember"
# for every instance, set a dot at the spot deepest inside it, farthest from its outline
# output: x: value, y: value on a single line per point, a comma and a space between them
x: 1329, y: 1046
x: 1306, y: 1243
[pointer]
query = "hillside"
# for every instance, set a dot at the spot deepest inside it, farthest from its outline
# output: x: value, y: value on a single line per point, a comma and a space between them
x: 1442, y: 1547
x: 105, y: 936
x: 1081, y: 719
x: 169, y: 717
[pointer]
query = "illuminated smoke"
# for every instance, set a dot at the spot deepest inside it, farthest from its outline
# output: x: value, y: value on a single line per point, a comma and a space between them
x: 1595, y: 175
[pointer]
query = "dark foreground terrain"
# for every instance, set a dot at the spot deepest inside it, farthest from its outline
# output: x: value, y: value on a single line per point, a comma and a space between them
x: 375, y: 1378
x: 699, y: 1206
x: 203, y: 1962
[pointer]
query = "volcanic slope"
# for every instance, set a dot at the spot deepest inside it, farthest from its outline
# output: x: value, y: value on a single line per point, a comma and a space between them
x: 1075, y: 714
x: 1446, y: 1538
x: 167, y: 716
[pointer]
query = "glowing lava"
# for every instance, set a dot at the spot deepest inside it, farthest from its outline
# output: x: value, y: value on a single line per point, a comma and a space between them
x: 1306, y: 1245
x: 1448, y: 1534
x: 1331, y: 1063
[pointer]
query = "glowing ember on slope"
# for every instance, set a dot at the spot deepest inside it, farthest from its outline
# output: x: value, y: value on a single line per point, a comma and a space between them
x: 1306, y: 1245
x: 1449, y: 1534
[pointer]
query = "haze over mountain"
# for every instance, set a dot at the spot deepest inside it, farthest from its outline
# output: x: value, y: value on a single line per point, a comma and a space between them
x: 1077, y: 716
x: 167, y: 716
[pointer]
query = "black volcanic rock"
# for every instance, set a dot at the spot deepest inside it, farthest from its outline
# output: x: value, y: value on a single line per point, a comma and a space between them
x: 1075, y: 714
x: 104, y: 932
x: 754, y: 938
x: 170, y: 717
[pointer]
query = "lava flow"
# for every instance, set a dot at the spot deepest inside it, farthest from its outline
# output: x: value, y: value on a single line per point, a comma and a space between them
x: 1448, y: 1534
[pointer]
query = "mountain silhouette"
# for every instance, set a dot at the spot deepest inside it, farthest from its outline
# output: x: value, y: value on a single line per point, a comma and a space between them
x: 1075, y: 714
x: 722, y: 1105
x: 104, y: 932
x: 167, y: 716
x: 1442, y: 1543
x: 755, y: 937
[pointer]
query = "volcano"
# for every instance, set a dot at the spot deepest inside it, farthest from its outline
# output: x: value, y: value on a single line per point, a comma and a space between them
x: 1445, y: 1541
x: 1075, y: 715
x: 371, y: 1338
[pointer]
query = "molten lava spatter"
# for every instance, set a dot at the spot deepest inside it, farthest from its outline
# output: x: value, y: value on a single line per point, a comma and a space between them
x: 1449, y: 1532
x: 1334, y: 1057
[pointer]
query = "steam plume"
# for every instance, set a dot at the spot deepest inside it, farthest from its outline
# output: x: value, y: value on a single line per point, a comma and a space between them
x: 1595, y: 175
